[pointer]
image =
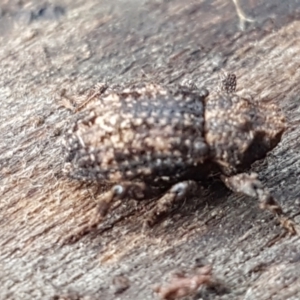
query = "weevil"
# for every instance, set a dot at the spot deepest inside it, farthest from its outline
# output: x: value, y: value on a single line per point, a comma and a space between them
x: 150, y: 139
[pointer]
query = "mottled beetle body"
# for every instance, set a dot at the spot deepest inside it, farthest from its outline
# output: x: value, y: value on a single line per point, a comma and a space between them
x: 148, y: 136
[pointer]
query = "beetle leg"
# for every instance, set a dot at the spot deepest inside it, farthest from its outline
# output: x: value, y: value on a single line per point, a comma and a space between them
x: 135, y: 190
x: 176, y: 193
x: 251, y: 186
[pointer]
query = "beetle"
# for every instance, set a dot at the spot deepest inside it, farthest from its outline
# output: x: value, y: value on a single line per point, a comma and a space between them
x: 150, y: 139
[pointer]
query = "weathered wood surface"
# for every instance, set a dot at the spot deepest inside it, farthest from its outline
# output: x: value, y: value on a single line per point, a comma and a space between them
x: 118, y: 41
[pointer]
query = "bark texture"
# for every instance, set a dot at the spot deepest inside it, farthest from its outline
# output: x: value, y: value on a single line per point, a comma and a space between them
x: 49, y: 50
